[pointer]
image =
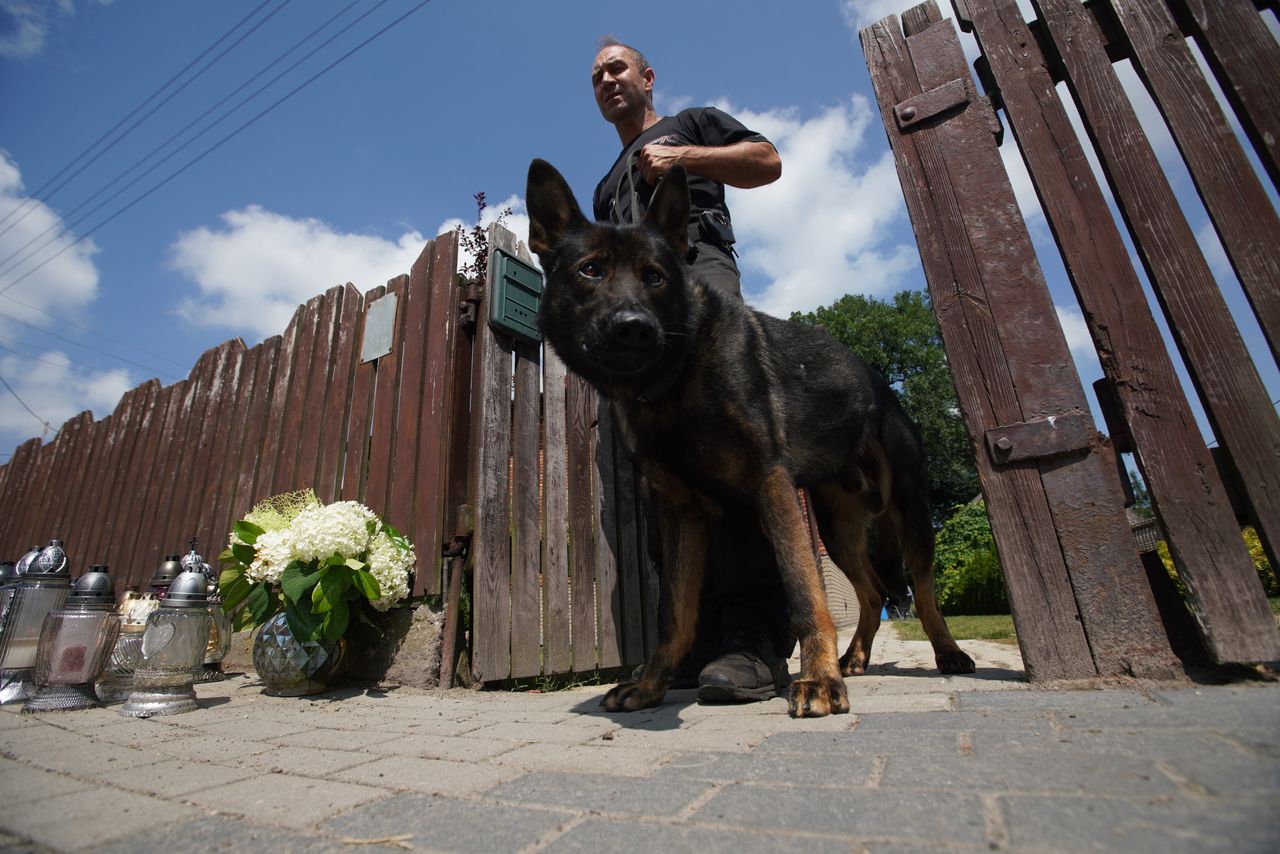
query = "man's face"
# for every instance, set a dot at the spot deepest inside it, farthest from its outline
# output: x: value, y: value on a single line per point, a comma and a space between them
x: 621, y: 87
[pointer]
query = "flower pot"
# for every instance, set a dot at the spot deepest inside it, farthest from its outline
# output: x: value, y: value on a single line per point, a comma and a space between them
x: 289, y: 667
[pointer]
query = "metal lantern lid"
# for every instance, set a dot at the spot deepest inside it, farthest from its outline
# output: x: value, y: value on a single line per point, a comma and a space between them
x: 166, y: 572
x: 25, y: 561
x: 51, y: 563
x: 92, y: 591
x: 189, y: 590
x: 8, y: 572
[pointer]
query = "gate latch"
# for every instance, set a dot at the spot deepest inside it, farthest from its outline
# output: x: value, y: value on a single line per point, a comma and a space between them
x: 1044, y: 437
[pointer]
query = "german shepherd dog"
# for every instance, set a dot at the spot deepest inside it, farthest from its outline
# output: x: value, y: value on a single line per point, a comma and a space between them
x: 721, y: 404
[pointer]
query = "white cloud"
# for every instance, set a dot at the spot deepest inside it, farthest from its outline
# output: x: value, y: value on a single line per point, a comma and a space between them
x: 827, y: 227
x: 25, y: 24
x: 66, y: 283
x: 260, y: 266
x: 1077, y: 332
x: 55, y: 388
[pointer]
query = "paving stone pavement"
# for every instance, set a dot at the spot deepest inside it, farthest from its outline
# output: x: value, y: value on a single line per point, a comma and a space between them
x: 923, y: 763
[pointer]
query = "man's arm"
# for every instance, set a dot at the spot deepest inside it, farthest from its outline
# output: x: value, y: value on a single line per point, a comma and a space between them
x: 745, y: 164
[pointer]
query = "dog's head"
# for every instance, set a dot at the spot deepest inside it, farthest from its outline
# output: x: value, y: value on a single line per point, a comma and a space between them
x: 616, y: 305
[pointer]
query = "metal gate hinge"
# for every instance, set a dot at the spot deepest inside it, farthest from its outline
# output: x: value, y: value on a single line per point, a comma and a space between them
x: 915, y: 110
x: 1044, y: 437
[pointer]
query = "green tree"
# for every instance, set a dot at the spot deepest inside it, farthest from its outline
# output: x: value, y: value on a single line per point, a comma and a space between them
x: 900, y: 339
x: 966, y: 568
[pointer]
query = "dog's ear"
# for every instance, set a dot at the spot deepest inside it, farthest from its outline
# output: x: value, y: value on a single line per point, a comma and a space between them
x: 552, y: 209
x: 668, y: 212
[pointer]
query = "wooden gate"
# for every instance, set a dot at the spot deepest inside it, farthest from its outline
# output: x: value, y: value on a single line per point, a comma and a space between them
x: 1081, y: 601
x: 561, y: 580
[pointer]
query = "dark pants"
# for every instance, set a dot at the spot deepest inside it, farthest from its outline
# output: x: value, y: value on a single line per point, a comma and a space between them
x: 742, y: 590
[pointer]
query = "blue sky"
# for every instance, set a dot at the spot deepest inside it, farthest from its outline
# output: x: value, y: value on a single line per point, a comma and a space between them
x: 346, y: 179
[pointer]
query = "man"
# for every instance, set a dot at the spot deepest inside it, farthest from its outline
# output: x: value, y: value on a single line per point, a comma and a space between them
x: 743, y: 637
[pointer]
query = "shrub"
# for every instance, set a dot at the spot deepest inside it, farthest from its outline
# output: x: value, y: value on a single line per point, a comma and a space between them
x: 1266, y: 572
x: 967, y: 572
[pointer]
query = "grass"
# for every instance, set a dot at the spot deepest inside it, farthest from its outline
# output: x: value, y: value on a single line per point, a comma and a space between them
x: 996, y: 627
x: 1275, y: 604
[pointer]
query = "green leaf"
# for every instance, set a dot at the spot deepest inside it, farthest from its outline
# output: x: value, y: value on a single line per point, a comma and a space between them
x: 302, y: 622
x: 297, y: 580
x: 247, y: 531
x: 335, y: 624
x: 331, y: 590
x: 227, y: 556
x: 355, y: 564
x: 243, y: 554
x: 368, y: 585
x: 228, y: 576
x: 234, y: 593
x: 258, y: 604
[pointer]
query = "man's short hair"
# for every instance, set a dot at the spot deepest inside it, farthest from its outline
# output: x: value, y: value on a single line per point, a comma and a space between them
x: 610, y: 41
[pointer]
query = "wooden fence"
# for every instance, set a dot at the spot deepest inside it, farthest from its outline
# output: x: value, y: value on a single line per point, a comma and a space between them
x: 1081, y: 599
x: 560, y: 581
x: 302, y: 409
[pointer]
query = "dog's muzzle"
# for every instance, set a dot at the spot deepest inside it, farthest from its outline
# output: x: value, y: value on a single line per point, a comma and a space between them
x: 629, y: 339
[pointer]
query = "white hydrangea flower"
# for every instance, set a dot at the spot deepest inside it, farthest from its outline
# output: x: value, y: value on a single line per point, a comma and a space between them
x: 390, y: 566
x: 274, y: 551
x: 339, y: 528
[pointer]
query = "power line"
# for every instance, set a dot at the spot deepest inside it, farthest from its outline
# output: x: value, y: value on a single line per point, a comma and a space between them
x: 95, y: 333
x: 47, y: 425
x: 75, y: 343
x: 217, y: 144
x: 36, y: 196
x: 67, y: 227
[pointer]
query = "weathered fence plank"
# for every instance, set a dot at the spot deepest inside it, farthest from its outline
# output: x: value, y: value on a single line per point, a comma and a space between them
x: 555, y: 518
x: 282, y: 390
x: 1219, y: 363
x: 1234, y: 197
x: 95, y: 548
x: 228, y: 452
x: 295, y: 411
x: 324, y: 410
x: 126, y: 570
x: 491, y: 497
x: 526, y: 507
x: 1246, y: 60
x: 604, y: 490
x: 256, y: 421
x: 1176, y: 466
x: 335, y: 438
x: 580, y: 408
x: 412, y: 346
x: 76, y: 431
x: 365, y: 375
x: 382, y: 438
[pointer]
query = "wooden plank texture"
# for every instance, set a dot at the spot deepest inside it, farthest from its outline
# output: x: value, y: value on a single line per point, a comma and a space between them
x: 1045, y: 614
x: 490, y: 460
x: 1245, y: 58
x: 334, y: 437
x: 1234, y: 197
x: 555, y: 518
x: 1214, y: 352
x: 580, y: 418
x: 256, y: 420
x: 296, y: 407
x: 382, y: 437
x: 1176, y: 466
x: 412, y: 345
x: 526, y: 551
x: 364, y: 376
x: 604, y: 489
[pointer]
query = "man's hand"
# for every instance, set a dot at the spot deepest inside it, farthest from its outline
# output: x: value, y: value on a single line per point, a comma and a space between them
x: 744, y: 164
x: 656, y: 160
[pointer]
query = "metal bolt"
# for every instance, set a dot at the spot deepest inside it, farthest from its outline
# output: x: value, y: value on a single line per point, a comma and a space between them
x: 1004, y: 443
x: 907, y: 114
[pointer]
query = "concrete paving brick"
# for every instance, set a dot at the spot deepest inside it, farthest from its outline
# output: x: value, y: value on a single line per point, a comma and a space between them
x: 601, y: 793
x: 20, y: 784
x: 461, y: 749
x: 73, y: 754
x: 426, y: 725
x: 1224, y: 773
x: 1224, y: 705
x: 840, y: 769
x: 252, y: 728
x: 173, y: 778
x: 596, y: 835
x: 78, y: 819
x: 860, y: 742
x: 286, y: 800
x: 1157, y: 826
x: 1029, y: 772
x: 445, y: 824
x: 1062, y: 701
x: 1156, y: 744
x: 10, y: 844
x: 688, y: 738
x: 861, y: 813
x: 432, y: 776
x: 586, y: 758
x: 1018, y: 721
x: 305, y: 761
x: 556, y: 733
x: 225, y: 833
x: 355, y: 738
x: 197, y: 746
x: 11, y: 717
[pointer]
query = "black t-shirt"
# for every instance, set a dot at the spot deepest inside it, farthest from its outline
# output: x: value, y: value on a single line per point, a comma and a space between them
x: 705, y: 126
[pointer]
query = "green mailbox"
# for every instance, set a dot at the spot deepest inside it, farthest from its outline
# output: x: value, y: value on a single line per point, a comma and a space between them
x: 513, y: 305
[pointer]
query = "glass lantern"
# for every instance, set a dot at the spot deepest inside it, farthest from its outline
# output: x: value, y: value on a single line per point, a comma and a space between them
x: 74, y: 645
x: 117, y: 679
x: 220, y: 628
x: 42, y: 588
x: 165, y: 573
x: 173, y: 651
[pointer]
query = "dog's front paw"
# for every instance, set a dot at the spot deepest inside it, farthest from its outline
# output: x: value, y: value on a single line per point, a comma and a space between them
x: 954, y: 661
x: 852, y: 664
x: 814, y: 698
x: 630, y: 696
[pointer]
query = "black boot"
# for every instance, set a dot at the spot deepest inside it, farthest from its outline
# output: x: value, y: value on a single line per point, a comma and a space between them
x: 746, y: 669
